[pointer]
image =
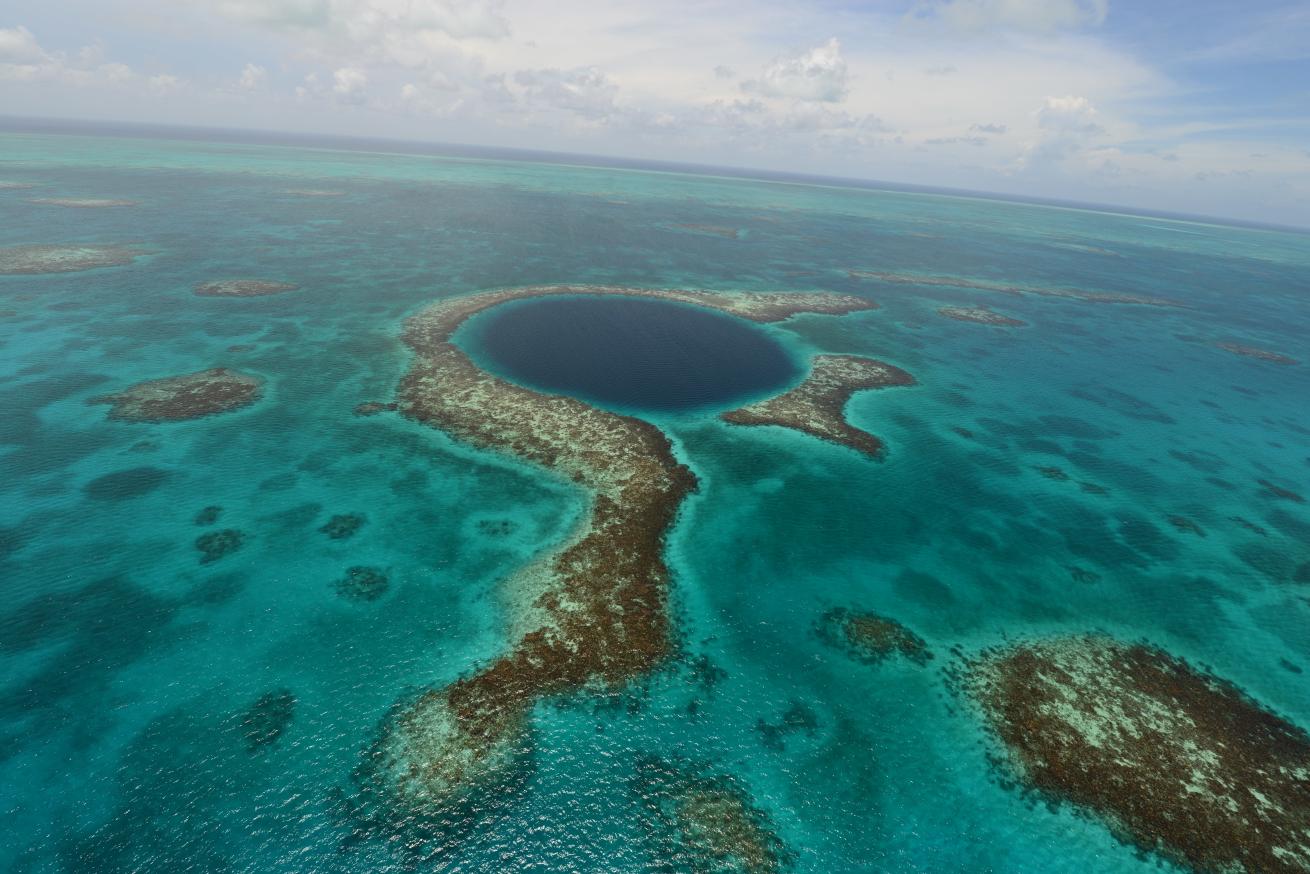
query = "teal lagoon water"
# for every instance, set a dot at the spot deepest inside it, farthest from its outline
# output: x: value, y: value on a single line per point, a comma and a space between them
x: 131, y: 666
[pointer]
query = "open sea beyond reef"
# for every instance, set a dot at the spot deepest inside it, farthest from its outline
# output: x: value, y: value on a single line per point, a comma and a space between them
x: 1106, y: 466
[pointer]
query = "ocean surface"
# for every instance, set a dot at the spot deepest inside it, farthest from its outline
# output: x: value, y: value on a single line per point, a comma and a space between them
x: 130, y: 666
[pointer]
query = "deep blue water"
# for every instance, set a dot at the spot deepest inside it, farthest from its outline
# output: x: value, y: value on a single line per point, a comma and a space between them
x: 128, y: 663
x: 631, y: 353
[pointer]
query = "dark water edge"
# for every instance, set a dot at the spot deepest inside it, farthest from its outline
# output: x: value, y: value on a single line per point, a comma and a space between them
x: 632, y: 354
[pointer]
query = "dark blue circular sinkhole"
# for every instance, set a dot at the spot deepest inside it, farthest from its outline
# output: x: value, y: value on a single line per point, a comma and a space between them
x: 631, y: 353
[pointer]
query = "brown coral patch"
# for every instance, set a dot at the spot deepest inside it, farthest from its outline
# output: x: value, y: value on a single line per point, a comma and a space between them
x: 178, y: 398
x: 81, y: 202
x: 372, y: 408
x: 1254, y: 352
x: 695, y: 822
x: 363, y: 584
x: 1186, y: 525
x: 219, y: 544
x: 817, y: 406
x: 243, y: 288
x: 1175, y: 760
x: 871, y: 638
x: 712, y: 230
x: 31, y: 260
x: 592, y: 612
x: 343, y: 526
x: 981, y: 315
x: 1011, y: 288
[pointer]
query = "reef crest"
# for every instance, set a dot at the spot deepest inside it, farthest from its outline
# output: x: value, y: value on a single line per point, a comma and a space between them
x: 81, y: 202
x: 1012, y: 288
x: 981, y: 315
x: 243, y: 288
x: 29, y: 260
x: 817, y: 405
x: 590, y: 613
x: 178, y: 398
x: 1176, y: 761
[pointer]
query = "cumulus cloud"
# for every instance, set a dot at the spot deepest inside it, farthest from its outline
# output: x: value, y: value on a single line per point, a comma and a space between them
x: 990, y: 128
x: 164, y: 83
x: 22, y: 58
x: 367, y: 20
x: 724, y: 72
x: 1068, y: 115
x: 19, y: 46
x: 585, y: 91
x: 956, y: 141
x: 1038, y: 16
x: 818, y: 74
x: 252, y: 76
x: 348, y: 84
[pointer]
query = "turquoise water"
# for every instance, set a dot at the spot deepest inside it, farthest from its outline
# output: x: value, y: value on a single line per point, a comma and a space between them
x: 128, y: 664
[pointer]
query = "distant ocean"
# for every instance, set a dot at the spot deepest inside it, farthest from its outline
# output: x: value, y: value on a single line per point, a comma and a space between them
x: 1105, y: 467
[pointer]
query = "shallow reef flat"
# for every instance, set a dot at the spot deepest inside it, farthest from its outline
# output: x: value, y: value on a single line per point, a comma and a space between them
x: 1176, y: 761
x: 697, y: 822
x: 817, y: 405
x: 1012, y: 288
x: 81, y: 202
x: 28, y: 260
x: 243, y: 288
x: 981, y: 315
x: 178, y: 398
x: 592, y: 612
x: 1256, y: 352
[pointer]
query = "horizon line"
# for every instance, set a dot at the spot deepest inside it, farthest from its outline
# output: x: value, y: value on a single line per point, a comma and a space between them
x: 60, y: 126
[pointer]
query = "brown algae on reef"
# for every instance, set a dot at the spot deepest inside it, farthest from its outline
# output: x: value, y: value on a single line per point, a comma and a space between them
x: 34, y: 260
x: 591, y: 613
x: 817, y: 406
x: 1174, y: 760
x: 178, y: 398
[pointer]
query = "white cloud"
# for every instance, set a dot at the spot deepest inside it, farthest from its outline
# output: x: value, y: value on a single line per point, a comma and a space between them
x: 23, y: 59
x: 818, y: 74
x: 19, y: 46
x: 1038, y: 16
x: 252, y: 76
x: 1068, y: 115
x: 164, y: 83
x: 585, y: 91
x: 348, y: 84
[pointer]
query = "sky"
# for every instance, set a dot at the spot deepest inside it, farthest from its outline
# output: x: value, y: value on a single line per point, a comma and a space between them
x: 1194, y: 106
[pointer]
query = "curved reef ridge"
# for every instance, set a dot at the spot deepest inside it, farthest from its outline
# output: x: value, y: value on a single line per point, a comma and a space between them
x: 1012, y: 288
x: 81, y: 202
x: 591, y: 612
x: 28, y: 260
x: 243, y: 288
x: 816, y: 405
x: 177, y: 398
x: 1176, y: 761
x: 981, y: 315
